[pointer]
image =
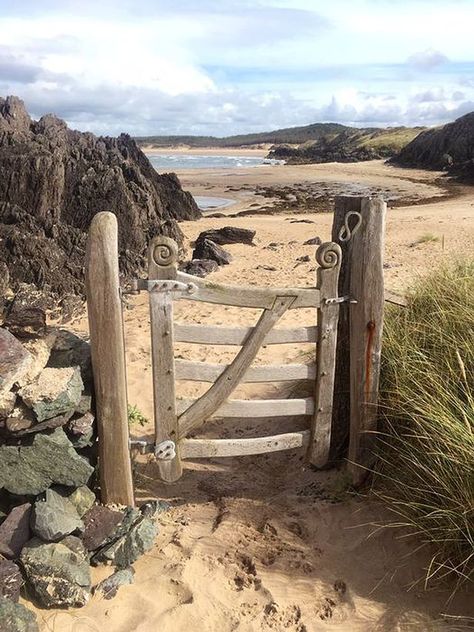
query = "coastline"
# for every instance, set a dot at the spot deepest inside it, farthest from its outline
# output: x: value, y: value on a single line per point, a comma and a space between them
x: 207, y: 151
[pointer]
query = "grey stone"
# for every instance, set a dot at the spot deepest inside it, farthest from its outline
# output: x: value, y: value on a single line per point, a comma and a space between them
x: 200, y: 267
x: 108, y: 587
x: 19, y: 427
x: 153, y: 508
x: 128, y: 548
x: 228, y: 235
x: 55, y: 517
x: 83, y: 498
x: 14, y: 360
x: 304, y: 258
x: 314, y: 241
x: 207, y: 249
x: 40, y: 350
x: 15, y: 531
x: 100, y: 526
x: 7, y: 403
x: 50, y: 459
x: 71, y: 350
x: 26, y: 317
x: 58, y: 572
x: 85, y: 404
x: 11, y: 580
x: 54, y: 392
x: 14, y: 617
x: 81, y: 430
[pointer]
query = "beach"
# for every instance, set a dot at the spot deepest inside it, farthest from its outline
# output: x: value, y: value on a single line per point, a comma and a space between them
x: 265, y: 542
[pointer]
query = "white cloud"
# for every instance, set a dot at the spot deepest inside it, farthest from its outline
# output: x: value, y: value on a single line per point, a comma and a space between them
x: 427, y: 59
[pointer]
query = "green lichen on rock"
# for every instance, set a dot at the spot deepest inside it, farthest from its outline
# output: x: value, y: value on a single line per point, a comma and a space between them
x: 50, y: 459
x: 14, y: 617
x: 54, y: 392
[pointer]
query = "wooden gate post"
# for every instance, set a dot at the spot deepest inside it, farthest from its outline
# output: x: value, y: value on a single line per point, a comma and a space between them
x: 366, y: 324
x: 328, y: 257
x: 163, y: 265
x: 108, y: 359
x: 344, y: 206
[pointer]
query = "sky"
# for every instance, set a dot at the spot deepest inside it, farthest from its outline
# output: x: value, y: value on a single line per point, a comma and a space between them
x: 222, y: 67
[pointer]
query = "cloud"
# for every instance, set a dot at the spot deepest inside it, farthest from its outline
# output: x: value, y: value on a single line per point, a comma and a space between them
x: 427, y: 59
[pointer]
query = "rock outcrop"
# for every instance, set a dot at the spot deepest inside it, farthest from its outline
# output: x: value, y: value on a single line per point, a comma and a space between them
x: 450, y: 147
x: 54, y: 180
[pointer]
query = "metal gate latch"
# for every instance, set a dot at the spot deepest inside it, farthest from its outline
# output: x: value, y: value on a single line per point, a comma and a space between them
x: 339, y: 299
x: 165, y: 451
x: 159, y: 285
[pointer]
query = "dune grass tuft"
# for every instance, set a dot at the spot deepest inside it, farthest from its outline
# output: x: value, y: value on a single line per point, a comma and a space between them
x: 425, y: 471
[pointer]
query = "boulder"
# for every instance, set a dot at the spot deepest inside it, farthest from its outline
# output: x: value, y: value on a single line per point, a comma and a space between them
x: 108, y: 587
x: 14, y: 617
x: 228, y: 235
x: 83, y: 498
x: 50, y: 459
x: 15, y: 531
x: 54, y: 392
x: 200, y: 267
x: 80, y: 430
x: 71, y: 350
x: 39, y: 349
x: 26, y: 316
x: 207, y: 249
x: 58, y: 572
x: 55, y: 517
x: 129, y: 547
x: 21, y: 426
x: 11, y: 580
x: 14, y: 360
x: 100, y: 526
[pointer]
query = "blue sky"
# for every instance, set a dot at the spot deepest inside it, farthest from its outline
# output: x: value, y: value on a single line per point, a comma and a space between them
x: 233, y: 66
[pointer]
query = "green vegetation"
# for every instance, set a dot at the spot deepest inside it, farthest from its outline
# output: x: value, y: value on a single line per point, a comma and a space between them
x: 426, y: 238
x: 135, y: 416
x: 392, y: 139
x: 426, y: 466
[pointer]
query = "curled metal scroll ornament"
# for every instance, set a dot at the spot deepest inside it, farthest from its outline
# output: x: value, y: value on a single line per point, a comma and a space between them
x: 328, y: 255
x: 165, y: 252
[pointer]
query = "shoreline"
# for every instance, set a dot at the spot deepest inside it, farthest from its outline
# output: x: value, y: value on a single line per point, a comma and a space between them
x: 206, y: 151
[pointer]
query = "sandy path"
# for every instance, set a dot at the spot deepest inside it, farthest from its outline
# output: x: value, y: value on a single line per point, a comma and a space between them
x: 265, y: 543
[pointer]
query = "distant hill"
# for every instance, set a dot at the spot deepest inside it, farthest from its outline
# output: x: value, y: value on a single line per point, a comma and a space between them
x: 349, y: 145
x: 449, y: 147
x: 292, y: 135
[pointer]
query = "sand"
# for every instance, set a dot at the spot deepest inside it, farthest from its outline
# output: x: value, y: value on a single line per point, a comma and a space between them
x: 266, y: 543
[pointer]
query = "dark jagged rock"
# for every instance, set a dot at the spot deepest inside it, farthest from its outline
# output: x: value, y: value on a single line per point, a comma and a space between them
x: 450, y: 147
x: 14, y: 360
x: 26, y: 315
x: 15, y: 531
x: 80, y: 430
x: 207, y: 249
x: 55, y: 179
x: 100, y: 525
x: 128, y: 548
x: 228, y: 235
x: 71, y: 350
x: 200, y: 267
x: 14, y: 617
x: 314, y: 241
x: 11, y: 580
x: 50, y: 459
x: 55, y: 517
x: 108, y: 587
x: 58, y: 572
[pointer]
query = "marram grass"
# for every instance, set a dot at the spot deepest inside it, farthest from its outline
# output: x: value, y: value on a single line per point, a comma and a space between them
x: 425, y: 470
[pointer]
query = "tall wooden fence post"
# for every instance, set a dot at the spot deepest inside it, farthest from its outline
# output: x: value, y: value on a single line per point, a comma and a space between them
x: 366, y: 324
x: 344, y: 206
x: 108, y: 359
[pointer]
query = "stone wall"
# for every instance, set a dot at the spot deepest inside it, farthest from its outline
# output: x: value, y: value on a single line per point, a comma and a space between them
x: 52, y: 527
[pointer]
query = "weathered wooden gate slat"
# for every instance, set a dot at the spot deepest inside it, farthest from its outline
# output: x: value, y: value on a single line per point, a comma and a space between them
x: 226, y: 383
x: 256, y: 408
x: 204, y: 372
x: 239, y: 296
x: 207, y: 448
x: 217, y: 335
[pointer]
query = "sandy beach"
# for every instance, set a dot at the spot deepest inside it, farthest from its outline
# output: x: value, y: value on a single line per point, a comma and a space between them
x: 265, y: 543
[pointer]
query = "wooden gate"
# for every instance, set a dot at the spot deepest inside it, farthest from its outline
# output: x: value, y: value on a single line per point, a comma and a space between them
x: 175, y: 420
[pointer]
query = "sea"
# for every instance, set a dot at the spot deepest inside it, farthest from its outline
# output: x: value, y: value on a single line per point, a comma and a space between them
x: 165, y: 163
x: 171, y: 162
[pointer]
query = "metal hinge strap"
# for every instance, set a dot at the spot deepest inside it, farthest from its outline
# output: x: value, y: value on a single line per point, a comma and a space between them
x: 339, y: 299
